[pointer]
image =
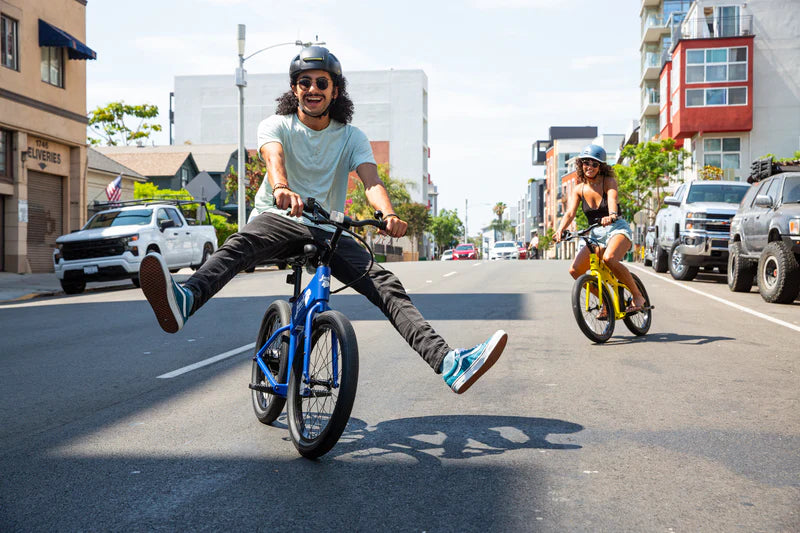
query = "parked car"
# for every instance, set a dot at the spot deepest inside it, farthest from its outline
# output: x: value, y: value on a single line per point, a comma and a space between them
x: 765, y: 239
x: 465, y: 251
x: 523, y: 250
x: 504, y: 250
x: 113, y: 242
x: 649, y: 245
x: 693, y: 230
x: 447, y: 255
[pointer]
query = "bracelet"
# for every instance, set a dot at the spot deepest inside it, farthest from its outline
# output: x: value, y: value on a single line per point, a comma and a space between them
x: 390, y: 215
x: 281, y: 186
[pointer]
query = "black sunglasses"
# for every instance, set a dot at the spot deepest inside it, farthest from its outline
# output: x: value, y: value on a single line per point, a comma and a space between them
x: 321, y: 83
x: 590, y: 163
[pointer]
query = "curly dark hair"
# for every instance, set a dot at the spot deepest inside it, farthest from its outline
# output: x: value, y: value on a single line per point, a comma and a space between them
x: 606, y: 171
x: 341, y: 108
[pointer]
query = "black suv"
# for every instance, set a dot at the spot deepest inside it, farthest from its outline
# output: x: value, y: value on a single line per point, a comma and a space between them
x: 765, y: 237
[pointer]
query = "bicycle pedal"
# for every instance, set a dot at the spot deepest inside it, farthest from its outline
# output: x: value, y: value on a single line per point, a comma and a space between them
x: 262, y: 388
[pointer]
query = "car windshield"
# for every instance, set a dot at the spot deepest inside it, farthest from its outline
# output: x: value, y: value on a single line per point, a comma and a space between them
x: 136, y: 217
x: 504, y: 245
x: 791, y: 190
x: 711, y: 192
x: 464, y: 247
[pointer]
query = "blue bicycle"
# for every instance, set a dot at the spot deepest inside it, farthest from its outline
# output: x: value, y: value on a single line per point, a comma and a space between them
x: 318, y: 345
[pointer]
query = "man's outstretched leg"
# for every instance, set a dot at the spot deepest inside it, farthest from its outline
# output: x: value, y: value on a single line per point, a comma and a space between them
x: 460, y: 368
x: 172, y: 303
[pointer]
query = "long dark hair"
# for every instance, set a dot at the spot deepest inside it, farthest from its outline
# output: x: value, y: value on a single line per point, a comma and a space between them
x: 340, y: 110
x: 606, y: 171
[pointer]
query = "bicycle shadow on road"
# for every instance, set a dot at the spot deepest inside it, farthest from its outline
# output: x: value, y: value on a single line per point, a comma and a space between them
x: 430, y: 439
x: 694, y: 340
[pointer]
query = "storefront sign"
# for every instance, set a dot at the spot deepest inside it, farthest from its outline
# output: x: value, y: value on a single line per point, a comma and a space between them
x: 47, y: 156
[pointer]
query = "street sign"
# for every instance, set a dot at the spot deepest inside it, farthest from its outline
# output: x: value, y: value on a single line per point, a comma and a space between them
x: 202, y: 187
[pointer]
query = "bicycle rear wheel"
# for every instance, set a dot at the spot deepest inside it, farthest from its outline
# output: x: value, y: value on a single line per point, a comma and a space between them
x: 269, y: 406
x: 586, y: 307
x: 318, y: 410
x: 638, y: 323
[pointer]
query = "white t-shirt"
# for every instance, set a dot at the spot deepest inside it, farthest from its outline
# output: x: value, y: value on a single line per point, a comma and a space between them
x: 317, y: 162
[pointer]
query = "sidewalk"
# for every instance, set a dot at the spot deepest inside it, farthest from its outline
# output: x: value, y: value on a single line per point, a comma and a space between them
x: 19, y: 287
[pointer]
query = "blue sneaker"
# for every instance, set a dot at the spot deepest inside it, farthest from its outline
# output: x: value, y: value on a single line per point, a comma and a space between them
x: 471, y: 364
x: 170, y: 302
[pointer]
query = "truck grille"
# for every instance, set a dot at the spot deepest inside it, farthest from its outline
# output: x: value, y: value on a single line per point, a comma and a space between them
x: 719, y: 223
x: 92, y: 249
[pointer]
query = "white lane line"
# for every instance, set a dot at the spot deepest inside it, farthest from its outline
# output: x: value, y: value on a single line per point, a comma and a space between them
x: 720, y: 300
x: 209, y: 361
x: 450, y: 274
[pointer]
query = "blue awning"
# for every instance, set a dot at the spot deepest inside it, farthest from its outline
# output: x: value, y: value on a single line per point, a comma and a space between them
x: 49, y: 35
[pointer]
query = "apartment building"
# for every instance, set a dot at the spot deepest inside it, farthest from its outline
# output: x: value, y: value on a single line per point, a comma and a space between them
x: 727, y: 81
x: 530, y: 211
x: 42, y: 128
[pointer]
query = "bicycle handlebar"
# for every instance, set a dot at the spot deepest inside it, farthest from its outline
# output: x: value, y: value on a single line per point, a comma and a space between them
x: 567, y: 235
x: 315, y: 213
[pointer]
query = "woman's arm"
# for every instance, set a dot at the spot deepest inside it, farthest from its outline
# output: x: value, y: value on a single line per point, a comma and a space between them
x: 613, y: 206
x: 569, y: 216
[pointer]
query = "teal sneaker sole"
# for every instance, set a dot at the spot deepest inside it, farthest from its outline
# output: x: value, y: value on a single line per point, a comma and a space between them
x: 494, y: 349
x: 156, y: 284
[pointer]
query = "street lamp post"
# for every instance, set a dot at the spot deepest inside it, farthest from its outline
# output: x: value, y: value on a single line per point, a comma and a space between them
x: 241, y: 83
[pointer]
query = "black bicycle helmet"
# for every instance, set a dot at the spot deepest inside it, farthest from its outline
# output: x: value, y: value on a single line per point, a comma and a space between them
x: 315, y: 58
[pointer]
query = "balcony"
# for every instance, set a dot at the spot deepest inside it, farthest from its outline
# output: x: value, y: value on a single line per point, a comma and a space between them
x: 713, y: 28
x: 653, y: 27
x: 650, y: 101
x: 651, y: 65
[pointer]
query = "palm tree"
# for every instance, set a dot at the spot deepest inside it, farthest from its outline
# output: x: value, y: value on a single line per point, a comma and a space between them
x: 498, y: 209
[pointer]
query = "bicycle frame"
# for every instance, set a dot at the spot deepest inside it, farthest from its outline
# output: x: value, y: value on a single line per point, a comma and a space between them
x: 305, y: 306
x: 604, y: 278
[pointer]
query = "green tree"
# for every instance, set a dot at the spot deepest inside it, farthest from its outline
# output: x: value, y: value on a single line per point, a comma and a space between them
x: 109, y: 123
x: 417, y: 216
x: 642, y: 181
x: 445, y: 227
x: 501, y: 226
x: 254, y: 171
x: 546, y: 241
x: 357, y: 206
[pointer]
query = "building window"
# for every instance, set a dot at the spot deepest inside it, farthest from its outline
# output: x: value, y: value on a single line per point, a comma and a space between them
x: 722, y: 153
x: 10, y: 44
x: 716, y: 65
x: 5, y: 156
x: 53, y: 65
x: 722, y: 96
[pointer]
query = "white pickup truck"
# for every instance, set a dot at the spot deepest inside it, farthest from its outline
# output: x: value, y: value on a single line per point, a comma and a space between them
x: 694, y: 228
x: 113, y: 242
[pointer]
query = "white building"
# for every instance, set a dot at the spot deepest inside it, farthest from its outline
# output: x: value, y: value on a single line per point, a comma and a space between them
x: 391, y: 107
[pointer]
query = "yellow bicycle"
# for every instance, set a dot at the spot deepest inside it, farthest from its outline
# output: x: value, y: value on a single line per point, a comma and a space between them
x: 599, y: 298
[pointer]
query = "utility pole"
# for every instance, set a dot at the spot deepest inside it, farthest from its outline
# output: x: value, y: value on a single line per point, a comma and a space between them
x: 466, y: 218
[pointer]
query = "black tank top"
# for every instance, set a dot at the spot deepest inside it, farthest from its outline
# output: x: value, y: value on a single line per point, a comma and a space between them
x: 595, y: 215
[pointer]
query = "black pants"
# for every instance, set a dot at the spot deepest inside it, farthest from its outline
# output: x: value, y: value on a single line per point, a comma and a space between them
x: 273, y: 237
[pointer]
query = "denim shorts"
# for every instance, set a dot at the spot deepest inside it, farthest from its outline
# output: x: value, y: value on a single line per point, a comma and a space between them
x: 604, y: 233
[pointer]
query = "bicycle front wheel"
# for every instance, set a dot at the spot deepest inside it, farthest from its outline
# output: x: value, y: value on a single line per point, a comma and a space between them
x: 638, y: 323
x: 595, y: 319
x: 267, y: 406
x: 319, y: 409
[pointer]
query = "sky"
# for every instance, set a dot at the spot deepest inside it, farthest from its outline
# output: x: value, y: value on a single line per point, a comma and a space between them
x: 500, y: 72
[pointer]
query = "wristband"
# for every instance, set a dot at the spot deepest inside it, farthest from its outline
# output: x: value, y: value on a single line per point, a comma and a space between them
x: 281, y: 186
x: 390, y: 215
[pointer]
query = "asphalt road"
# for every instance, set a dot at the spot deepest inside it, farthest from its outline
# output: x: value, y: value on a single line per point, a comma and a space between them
x: 694, y: 427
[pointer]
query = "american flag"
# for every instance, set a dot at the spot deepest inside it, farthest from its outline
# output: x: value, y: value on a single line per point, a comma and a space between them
x: 114, y: 190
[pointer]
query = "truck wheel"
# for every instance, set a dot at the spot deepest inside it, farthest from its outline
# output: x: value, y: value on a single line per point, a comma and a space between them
x: 659, y: 259
x: 680, y: 270
x: 206, y: 254
x: 778, y: 274
x: 73, y: 287
x: 740, y: 271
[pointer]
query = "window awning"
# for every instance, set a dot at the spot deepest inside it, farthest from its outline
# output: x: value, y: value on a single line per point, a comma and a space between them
x: 49, y: 35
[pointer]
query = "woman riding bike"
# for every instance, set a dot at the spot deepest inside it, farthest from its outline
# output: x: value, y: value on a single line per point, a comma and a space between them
x: 596, y: 193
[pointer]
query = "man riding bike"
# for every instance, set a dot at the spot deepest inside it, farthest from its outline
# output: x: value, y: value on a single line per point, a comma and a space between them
x: 309, y: 149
